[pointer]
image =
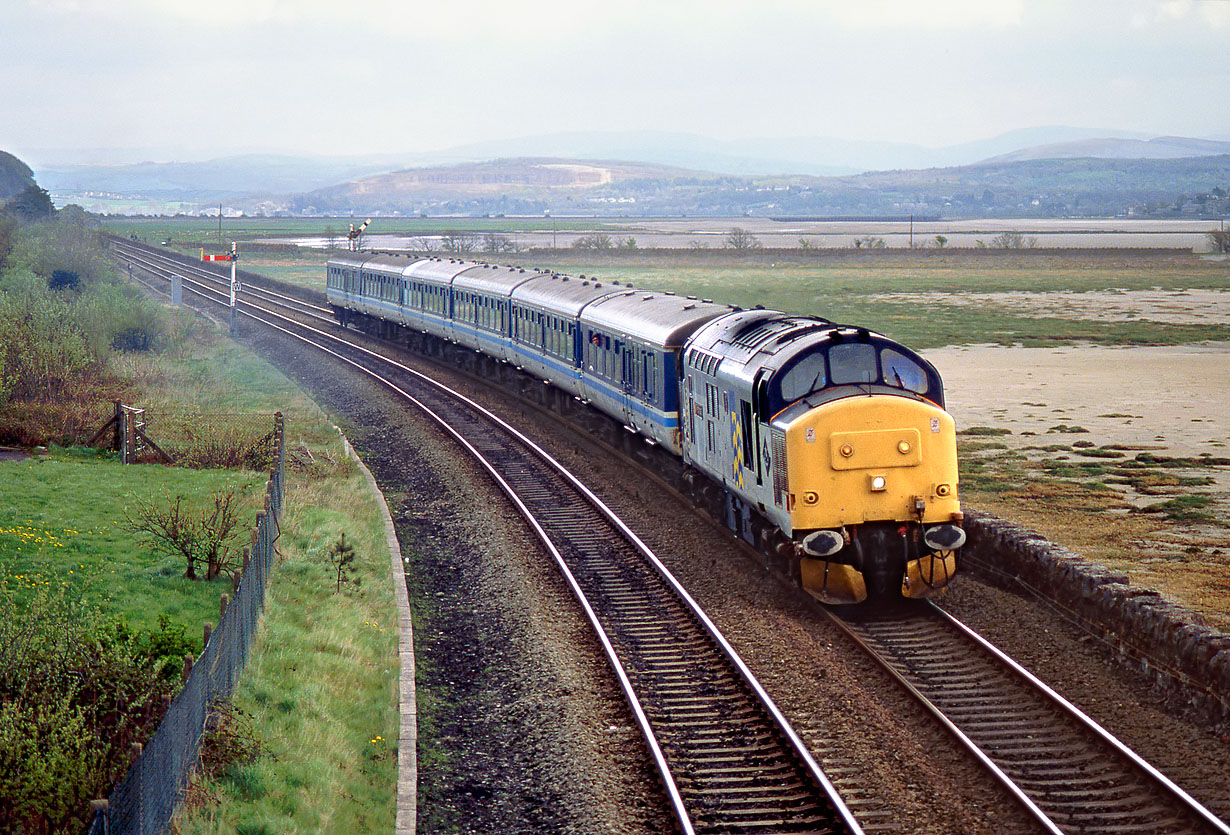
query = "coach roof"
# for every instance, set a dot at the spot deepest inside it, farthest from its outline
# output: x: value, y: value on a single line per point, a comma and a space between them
x: 661, y: 319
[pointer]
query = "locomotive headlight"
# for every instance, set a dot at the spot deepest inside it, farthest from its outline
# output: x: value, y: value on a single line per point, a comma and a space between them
x: 878, y: 483
x: 904, y: 447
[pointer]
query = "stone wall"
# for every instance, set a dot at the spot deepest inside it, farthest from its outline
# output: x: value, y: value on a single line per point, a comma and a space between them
x: 1169, y: 644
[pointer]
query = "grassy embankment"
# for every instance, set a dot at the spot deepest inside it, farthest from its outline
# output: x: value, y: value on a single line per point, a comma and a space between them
x: 319, y: 693
x: 320, y: 690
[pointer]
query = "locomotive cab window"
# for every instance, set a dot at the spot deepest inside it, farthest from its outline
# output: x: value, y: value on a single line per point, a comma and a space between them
x: 801, y: 379
x: 852, y: 363
x: 903, y: 372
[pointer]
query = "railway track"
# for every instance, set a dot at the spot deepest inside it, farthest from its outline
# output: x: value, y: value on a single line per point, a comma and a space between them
x: 729, y: 760
x: 1072, y: 776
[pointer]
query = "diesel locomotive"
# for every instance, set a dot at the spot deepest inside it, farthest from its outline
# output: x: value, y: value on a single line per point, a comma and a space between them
x: 824, y: 446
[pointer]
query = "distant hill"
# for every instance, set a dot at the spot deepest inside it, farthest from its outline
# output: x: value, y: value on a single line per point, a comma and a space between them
x: 510, y: 186
x: 1045, y: 171
x: 209, y: 179
x: 1162, y: 147
x: 1030, y: 188
x: 818, y: 156
x: 15, y: 176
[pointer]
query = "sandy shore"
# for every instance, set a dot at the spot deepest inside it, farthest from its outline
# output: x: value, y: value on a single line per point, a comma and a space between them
x: 1172, y: 401
x: 1175, y: 399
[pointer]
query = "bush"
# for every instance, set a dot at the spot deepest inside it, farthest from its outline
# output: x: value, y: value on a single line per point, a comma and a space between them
x: 598, y: 240
x: 75, y: 692
x: 209, y: 538
x: 63, y: 314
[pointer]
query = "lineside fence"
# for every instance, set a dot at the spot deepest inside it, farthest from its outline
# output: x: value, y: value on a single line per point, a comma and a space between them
x: 144, y: 801
x: 188, y: 438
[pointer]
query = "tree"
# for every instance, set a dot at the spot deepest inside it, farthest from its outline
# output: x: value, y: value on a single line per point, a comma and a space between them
x: 1008, y: 240
x: 32, y: 204
x: 330, y: 237
x: 341, y: 559
x: 458, y: 242
x: 598, y: 240
x: 205, y: 538
x: 741, y: 239
x: 869, y: 242
x: 627, y: 243
x: 495, y: 242
x: 940, y: 241
x: 1219, y: 240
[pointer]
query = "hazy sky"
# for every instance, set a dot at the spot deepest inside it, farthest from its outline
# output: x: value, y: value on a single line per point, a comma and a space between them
x: 214, y: 76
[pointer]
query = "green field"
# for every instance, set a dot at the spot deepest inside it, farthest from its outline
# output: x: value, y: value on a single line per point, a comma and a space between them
x: 204, y: 230
x: 63, y: 528
x: 921, y: 304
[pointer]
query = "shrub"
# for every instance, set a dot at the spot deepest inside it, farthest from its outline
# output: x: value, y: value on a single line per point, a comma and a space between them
x: 598, y: 240
x: 208, y: 538
x: 75, y: 693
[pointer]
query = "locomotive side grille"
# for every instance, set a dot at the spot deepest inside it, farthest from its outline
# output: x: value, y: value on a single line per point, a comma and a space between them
x: 779, y: 466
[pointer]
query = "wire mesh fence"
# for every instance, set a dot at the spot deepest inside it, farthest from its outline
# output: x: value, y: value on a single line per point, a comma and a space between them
x: 212, y: 439
x: 144, y: 801
x: 191, y: 438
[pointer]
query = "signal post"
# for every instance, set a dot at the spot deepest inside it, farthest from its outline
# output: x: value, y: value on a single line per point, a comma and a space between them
x: 231, y: 256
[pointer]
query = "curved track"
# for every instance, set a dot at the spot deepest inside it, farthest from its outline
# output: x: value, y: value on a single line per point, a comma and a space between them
x: 729, y: 761
x: 1073, y: 775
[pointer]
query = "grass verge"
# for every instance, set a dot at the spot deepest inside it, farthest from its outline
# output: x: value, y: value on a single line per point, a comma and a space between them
x: 321, y: 686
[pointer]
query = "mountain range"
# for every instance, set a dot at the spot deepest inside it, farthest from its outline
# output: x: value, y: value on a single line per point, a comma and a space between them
x: 614, y: 172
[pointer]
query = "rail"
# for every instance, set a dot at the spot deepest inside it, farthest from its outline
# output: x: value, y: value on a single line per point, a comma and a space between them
x: 1071, y: 774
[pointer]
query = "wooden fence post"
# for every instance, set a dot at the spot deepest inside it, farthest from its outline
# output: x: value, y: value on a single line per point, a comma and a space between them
x: 119, y: 426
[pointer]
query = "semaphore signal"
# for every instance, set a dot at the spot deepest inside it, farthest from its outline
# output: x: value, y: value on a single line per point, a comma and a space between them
x: 231, y: 256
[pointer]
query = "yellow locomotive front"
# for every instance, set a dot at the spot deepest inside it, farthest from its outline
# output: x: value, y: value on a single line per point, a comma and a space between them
x: 871, y: 491
x: 832, y: 449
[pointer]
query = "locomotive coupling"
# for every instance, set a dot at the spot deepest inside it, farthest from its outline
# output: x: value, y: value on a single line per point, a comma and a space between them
x: 944, y: 537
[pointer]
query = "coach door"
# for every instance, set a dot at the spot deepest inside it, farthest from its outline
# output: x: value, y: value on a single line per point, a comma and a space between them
x: 624, y: 356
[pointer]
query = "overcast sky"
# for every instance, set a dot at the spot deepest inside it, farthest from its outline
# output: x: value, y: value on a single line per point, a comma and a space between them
x: 194, y: 79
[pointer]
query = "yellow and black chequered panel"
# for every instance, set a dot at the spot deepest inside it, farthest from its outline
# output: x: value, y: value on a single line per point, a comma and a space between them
x: 736, y: 442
